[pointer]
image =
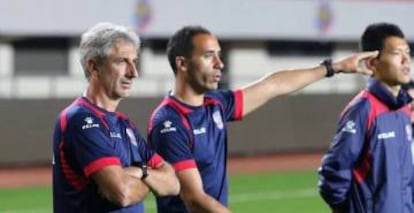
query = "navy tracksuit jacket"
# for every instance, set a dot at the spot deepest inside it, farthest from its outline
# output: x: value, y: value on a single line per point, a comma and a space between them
x: 369, y: 166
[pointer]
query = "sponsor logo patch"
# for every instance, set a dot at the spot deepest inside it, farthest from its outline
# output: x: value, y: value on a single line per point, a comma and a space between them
x: 199, y: 131
x: 218, y: 120
x: 349, y: 127
x: 386, y: 135
x: 409, y: 131
x: 89, y: 123
x: 115, y: 135
x: 168, y: 127
x: 132, y: 137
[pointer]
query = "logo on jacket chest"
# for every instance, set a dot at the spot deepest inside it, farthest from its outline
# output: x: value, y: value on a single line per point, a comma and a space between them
x: 168, y: 127
x: 218, y: 120
x: 349, y: 127
x: 386, y: 135
x: 131, y: 136
x: 409, y: 131
x: 115, y: 135
x: 89, y: 123
x: 199, y: 131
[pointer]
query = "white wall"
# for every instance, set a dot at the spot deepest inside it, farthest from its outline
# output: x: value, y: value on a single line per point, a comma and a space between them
x: 248, y: 19
x: 155, y: 79
x: 251, y: 63
x: 245, y: 65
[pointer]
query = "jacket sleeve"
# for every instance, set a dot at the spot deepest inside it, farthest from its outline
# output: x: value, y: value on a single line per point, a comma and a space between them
x: 335, y: 173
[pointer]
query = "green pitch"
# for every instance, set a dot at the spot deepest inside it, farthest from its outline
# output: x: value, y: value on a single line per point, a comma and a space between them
x: 272, y: 192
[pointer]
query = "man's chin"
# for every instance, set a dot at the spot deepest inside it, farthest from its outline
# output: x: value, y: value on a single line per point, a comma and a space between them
x: 124, y: 94
x: 213, y: 87
x: 202, y: 90
x: 127, y: 94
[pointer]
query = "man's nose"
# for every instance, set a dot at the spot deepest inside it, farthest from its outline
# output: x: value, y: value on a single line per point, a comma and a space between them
x: 133, y: 71
x: 218, y: 63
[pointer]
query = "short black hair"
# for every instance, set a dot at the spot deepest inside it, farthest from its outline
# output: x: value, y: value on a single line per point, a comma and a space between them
x: 181, y: 43
x: 375, y: 35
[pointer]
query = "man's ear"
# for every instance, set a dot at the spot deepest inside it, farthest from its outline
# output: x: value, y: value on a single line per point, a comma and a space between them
x: 92, y: 68
x: 181, y: 63
x: 371, y: 63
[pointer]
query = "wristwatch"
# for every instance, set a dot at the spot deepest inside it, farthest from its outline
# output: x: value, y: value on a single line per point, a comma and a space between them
x: 143, y: 167
x: 327, y: 63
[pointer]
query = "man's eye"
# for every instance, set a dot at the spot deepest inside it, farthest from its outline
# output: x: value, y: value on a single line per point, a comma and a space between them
x: 207, y: 55
x: 120, y: 61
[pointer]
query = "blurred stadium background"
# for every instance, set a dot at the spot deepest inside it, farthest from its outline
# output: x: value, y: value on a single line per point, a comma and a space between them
x: 40, y: 71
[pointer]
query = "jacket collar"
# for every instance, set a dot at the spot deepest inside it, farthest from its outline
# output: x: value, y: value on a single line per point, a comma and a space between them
x: 384, y: 95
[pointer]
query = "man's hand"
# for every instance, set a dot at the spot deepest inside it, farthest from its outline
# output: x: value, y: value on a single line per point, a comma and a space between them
x: 355, y: 63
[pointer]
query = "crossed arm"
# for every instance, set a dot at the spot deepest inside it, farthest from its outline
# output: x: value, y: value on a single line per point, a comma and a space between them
x: 288, y: 81
x: 162, y: 180
x: 124, y: 187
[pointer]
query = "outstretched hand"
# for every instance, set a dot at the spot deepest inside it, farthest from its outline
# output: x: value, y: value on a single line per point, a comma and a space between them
x: 355, y: 63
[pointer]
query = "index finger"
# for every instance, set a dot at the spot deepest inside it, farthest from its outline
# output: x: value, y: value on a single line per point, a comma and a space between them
x: 368, y: 54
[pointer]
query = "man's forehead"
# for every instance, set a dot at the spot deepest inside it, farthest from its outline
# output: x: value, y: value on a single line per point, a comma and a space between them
x: 396, y: 43
x: 124, y: 48
x: 206, y: 42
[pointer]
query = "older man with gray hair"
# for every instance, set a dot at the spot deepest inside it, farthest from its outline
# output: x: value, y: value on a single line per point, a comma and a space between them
x: 101, y: 162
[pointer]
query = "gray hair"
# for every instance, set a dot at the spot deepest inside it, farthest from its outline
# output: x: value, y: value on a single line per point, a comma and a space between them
x: 97, y: 42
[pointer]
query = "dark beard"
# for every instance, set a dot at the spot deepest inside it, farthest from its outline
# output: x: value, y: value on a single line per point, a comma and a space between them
x: 194, y: 83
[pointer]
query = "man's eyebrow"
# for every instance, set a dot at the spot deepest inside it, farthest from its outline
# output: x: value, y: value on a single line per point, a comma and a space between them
x: 213, y: 51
